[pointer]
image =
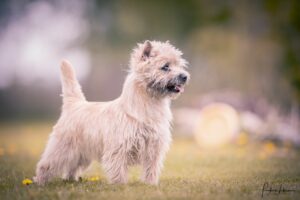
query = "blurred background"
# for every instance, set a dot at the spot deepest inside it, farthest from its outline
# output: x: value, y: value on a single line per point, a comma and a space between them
x: 244, y: 60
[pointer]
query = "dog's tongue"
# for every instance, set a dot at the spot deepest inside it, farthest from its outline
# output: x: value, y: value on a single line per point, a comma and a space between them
x: 179, y: 88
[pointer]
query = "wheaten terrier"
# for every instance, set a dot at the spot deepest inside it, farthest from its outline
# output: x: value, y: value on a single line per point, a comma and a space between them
x: 132, y: 129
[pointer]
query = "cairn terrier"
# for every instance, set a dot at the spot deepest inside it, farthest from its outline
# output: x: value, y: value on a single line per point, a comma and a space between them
x: 132, y: 129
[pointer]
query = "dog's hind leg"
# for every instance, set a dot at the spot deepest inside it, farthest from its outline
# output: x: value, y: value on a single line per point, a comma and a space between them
x: 44, y: 172
x: 83, y: 165
x: 69, y: 174
x: 60, y: 156
x: 74, y: 170
x: 47, y: 167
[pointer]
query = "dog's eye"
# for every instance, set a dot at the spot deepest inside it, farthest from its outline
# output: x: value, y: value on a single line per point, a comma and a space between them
x: 166, y: 67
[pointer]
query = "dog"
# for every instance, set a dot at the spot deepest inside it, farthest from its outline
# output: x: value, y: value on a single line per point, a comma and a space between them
x: 133, y: 129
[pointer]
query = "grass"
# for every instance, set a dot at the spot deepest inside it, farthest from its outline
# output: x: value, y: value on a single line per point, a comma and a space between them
x: 231, y: 172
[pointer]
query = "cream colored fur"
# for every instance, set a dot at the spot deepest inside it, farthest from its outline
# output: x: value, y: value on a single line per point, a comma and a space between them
x: 132, y: 129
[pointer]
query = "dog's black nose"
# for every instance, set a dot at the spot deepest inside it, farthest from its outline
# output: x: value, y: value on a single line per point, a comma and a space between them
x: 182, y: 77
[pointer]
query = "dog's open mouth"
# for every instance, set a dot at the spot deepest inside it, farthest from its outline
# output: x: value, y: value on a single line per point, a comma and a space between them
x: 176, y: 88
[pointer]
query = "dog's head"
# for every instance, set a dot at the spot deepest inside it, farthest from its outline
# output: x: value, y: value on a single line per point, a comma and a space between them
x: 160, y: 68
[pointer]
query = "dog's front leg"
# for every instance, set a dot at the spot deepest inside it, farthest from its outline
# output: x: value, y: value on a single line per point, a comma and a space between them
x: 115, y: 164
x: 153, y: 161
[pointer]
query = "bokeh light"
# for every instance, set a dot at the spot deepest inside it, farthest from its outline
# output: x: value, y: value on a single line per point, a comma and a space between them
x: 218, y: 124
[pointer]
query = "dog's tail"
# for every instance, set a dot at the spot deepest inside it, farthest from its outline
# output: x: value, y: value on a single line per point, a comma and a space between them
x: 71, y: 89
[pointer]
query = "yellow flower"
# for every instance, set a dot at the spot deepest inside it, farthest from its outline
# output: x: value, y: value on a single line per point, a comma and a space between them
x: 27, y: 181
x: 94, y: 178
x: 242, y: 140
x: 269, y: 147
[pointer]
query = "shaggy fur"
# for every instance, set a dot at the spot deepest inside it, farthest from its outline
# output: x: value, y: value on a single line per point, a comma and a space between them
x: 132, y: 129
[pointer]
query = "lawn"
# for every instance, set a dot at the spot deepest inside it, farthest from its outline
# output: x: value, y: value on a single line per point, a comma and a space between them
x: 231, y: 172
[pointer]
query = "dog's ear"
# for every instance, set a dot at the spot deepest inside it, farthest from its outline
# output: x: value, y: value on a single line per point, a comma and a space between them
x: 147, y: 49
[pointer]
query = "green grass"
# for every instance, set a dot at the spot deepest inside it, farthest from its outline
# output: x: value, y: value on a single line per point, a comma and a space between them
x: 231, y: 172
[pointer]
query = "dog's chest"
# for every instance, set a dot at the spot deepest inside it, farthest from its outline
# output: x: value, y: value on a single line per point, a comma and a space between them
x: 144, y: 138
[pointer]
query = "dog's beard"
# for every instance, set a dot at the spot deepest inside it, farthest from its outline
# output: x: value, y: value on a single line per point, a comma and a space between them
x: 171, y: 88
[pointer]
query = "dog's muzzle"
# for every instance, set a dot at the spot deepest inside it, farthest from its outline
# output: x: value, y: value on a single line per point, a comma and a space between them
x: 176, y: 85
